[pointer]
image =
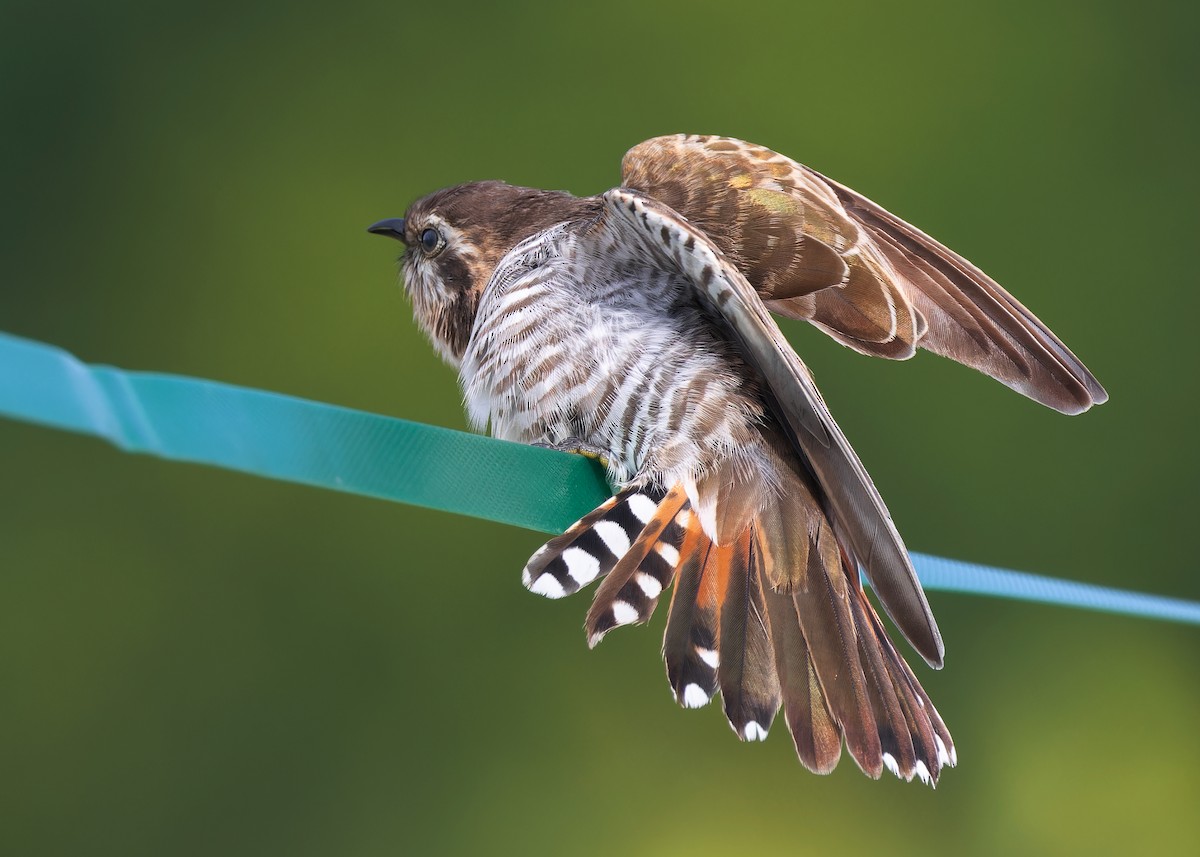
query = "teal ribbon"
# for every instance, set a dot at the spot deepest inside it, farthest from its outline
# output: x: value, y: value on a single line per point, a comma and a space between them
x: 296, y: 440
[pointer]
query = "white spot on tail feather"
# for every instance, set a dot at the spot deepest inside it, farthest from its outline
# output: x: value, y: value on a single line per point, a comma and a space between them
x: 643, y: 507
x: 922, y: 772
x: 709, y: 656
x: 581, y: 565
x: 614, y: 537
x: 649, y: 584
x: 682, y: 518
x: 889, y: 762
x: 668, y: 553
x: 753, y: 732
x: 624, y: 613
x: 694, y: 696
x: 943, y: 754
x: 547, y: 584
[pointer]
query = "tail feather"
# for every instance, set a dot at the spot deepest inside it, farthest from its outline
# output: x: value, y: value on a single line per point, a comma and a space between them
x: 931, y: 739
x: 690, y: 643
x: 746, y: 674
x: 822, y: 602
x: 591, y: 547
x: 895, y: 728
x: 932, y: 746
x: 631, y: 590
x: 774, y: 618
x: 817, y: 737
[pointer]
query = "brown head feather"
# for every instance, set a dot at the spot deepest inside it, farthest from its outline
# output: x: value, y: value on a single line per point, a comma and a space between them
x: 476, y: 225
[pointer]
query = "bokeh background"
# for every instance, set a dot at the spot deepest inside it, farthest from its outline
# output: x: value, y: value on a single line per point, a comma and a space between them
x: 200, y: 662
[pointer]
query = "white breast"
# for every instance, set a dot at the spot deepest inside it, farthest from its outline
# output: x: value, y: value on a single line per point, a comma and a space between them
x: 604, y: 347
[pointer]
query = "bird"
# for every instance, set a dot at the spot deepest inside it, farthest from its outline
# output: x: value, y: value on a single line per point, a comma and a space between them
x: 636, y: 327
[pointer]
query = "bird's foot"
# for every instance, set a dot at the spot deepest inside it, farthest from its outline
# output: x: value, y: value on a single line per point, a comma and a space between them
x: 577, y: 446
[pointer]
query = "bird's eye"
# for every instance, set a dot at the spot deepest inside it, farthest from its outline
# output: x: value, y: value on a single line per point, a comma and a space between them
x: 431, y: 240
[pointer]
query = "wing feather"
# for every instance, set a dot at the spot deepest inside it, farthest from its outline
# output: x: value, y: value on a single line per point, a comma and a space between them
x: 1038, y: 364
x: 759, y: 206
x: 855, y: 504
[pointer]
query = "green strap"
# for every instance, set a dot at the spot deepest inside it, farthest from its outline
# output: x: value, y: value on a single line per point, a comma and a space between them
x: 296, y: 440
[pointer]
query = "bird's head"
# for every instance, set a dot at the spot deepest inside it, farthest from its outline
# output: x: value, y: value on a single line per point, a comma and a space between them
x: 454, y: 238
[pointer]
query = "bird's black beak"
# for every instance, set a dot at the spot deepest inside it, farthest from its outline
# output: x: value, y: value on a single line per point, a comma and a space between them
x: 393, y: 228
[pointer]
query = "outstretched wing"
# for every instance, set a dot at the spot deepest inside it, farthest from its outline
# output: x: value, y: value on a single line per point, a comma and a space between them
x: 855, y: 506
x: 816, y: 250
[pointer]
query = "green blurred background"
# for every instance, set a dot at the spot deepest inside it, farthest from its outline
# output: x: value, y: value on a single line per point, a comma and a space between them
x: 199, y: 662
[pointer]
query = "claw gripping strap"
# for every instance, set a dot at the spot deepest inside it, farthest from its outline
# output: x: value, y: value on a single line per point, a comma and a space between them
x: 296, y: 440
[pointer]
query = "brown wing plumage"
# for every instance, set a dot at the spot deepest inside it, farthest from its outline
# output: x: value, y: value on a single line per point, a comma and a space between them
x: 816, y: 250
x: 854, y: 505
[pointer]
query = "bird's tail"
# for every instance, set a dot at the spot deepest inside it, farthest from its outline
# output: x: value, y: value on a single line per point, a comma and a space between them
x: 777, y: 618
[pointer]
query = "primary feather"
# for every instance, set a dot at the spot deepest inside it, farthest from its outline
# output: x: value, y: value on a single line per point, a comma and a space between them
x: 902, y: 289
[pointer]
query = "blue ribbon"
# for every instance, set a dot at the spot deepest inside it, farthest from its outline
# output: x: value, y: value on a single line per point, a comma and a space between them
x: 296, y: 440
